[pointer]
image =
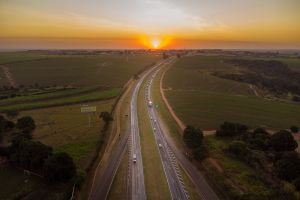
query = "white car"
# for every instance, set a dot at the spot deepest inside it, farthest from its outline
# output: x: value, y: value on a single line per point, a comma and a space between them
x: 160, y: 146
x: 134, y: 158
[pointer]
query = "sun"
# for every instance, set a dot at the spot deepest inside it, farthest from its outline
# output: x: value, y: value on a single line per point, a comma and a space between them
x: 155, y: 43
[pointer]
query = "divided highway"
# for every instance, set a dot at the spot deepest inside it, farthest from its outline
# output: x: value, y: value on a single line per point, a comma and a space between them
x: 169, y: 154
x: 172, y: 173
x: 104, y: 177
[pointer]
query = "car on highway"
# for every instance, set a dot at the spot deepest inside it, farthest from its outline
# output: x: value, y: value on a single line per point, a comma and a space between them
x: 134, y: 158
x: 160, y: 146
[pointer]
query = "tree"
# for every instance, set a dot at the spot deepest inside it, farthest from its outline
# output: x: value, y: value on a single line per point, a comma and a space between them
x: 29, y: 154
x: 200, y: 152
x: 288, y: 167
x: 294, y: 129
x: 283, y: 141
x: 26, y: 123
x: 106, y: 117
x: 59, y: 167
x: 238, y: 148
x: 231, y: 129
x: 192, y: 137
x: 260, y: 139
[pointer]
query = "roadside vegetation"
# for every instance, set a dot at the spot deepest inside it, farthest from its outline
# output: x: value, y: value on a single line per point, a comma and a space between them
x: 19, y: 152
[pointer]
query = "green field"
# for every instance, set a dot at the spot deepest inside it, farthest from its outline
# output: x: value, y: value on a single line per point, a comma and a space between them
x: 92, y: 96
x: 204, y: 100
x: 66, y: 129
x: 108, y: 70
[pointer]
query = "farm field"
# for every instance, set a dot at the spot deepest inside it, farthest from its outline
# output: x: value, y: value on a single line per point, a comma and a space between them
x: 108, y: 70
x: 204, y: 100
x: 66, y: 129
x: 92, y: 96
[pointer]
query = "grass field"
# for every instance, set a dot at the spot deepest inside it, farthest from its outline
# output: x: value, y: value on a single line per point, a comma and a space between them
x: 48, y: 94
x: 16, y: 179
x: 108, y: 70
x: 201, y: 99
x: 66, y: 129
x: 10, y: 57
x: 93, y: 96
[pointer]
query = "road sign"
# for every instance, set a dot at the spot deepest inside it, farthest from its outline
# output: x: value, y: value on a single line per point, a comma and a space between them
x: 88, y: 109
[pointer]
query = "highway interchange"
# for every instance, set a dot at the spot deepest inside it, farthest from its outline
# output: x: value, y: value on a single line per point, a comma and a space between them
x: 170, y: 155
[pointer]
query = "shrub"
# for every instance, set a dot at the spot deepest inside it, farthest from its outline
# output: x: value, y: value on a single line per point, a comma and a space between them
x: 283, y: 141
x: 238, y: 148
x: 26, y: 123
x: 192, y: 137
x: 288, y: 167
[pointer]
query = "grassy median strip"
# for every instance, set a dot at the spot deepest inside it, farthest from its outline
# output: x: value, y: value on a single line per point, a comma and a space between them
x: 119, y: 185
x: 155, y: 179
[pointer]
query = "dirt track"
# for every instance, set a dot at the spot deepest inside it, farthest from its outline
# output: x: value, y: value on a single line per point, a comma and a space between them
x: 9, y: 76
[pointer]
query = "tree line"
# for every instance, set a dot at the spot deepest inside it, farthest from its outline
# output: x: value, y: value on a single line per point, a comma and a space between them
x: 25, y: 153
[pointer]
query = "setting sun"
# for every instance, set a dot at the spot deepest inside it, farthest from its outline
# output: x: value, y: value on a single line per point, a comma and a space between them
x: 155, y: 43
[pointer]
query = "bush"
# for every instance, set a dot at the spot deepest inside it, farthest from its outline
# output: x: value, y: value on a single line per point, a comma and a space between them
x: 238, y: 148
x: 200, y: 153
x: 26, y: 123
x: 283, y: 141
x: 288, y: 167
x: 192, y: 137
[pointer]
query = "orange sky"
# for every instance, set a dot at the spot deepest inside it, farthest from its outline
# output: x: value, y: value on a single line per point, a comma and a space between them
x: 150, y: 24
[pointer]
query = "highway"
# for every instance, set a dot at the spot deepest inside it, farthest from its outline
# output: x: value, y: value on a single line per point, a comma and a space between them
x: 170, y: 154
x: 171, y: 170
x: 105, y: 176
